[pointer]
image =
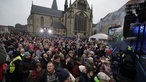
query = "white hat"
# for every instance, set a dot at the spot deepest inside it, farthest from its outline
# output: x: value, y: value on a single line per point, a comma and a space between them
x: 90, y: 58
x: 81, y: 67
x: 103, y: 76
x: 22, y: 49
x: 91, y: 52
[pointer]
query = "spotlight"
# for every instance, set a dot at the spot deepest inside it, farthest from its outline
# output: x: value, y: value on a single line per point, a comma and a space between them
x: 50, y: 31
x: 41, y: 30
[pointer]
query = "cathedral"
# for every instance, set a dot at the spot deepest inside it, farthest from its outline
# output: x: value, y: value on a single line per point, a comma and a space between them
x: 75, y: 20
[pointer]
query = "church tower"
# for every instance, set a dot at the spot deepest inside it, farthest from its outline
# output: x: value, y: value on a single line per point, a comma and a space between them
x: 54, y: 5
x: 79, y: 19
x: 91, y: 14
x: 66, y: 5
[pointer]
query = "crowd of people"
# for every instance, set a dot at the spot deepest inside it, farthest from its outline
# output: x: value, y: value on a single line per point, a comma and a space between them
x: 38, y: 59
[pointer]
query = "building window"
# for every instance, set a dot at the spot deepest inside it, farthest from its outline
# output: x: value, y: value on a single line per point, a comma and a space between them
x: 42, y: 22
x: 80, y: 23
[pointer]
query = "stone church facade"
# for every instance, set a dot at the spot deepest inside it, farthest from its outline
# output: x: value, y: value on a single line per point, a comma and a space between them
x: 75, y: 20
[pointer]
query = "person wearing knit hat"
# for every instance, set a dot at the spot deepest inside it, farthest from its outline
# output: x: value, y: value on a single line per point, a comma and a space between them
x: 14, y: 66
x: 90, y: 58
x: 82, y: 68
x: 56, y: 56
x: 26, y: 54
x: 27, y: 65
x: 91, y: 53
x: 90, y: 65
x: 103, y: 76
x: 63, y: 75
x: 83, y: 74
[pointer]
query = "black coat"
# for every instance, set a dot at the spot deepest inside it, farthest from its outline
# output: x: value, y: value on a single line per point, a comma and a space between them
x: 25, y: 66
x: 44, y: 62
x: 43, y: 77
x: 16, y: 75
x: 83, y: 77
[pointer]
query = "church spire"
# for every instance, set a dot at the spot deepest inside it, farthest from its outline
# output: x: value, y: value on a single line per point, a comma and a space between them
x: 31, y: 7
x: 54, y: 5
x: 66, y: 5
x: 70, y: 4
x: 91, y: 14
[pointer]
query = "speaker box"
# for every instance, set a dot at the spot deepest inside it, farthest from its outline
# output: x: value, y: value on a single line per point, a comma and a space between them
x: 129, y: 18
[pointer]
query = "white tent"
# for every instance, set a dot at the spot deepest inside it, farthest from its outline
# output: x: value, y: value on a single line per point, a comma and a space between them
x: 99, y: 36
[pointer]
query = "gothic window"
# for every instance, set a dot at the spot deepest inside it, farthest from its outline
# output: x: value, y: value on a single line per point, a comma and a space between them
x: 42, y: 22
x: 80, y: 23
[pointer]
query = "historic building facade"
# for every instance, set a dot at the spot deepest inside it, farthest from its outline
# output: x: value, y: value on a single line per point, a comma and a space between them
x: 75, y: 20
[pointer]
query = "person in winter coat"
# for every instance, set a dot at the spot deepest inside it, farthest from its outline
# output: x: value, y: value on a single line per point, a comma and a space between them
x: 63, y: 75
x: 56, y: 61
x: 83, y: 74
x: 2, y: 70
x: 36, y: 73
x: 14, y: 67
x: 103, y: 77
x: 54, y: 75
x: 45, y: 59
x: 70, y: 61
x: 75, y: 70
x: 26, y: 66
x: 49, y: 75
